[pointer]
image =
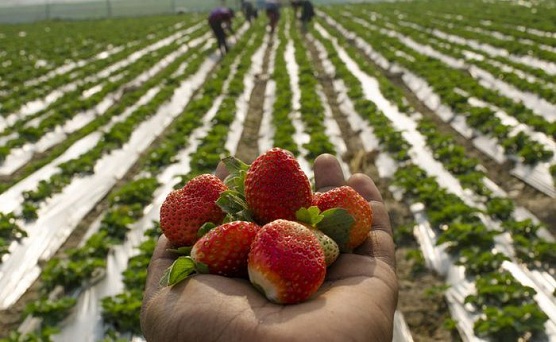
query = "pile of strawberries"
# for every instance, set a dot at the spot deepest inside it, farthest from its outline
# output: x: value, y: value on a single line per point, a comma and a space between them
x: 263, y: 223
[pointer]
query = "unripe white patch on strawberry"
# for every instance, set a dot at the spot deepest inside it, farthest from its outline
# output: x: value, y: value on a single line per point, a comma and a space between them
x: 329, y: 246
x: 261, y: 281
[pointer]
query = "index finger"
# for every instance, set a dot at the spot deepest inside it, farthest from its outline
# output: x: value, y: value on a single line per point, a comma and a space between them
x: 328, y: 173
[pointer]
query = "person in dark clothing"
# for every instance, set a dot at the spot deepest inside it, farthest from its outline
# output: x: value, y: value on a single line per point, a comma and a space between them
x: 220, y: 19
x: 273, y: 14
x: 295, y: 4
x: 307, y: 13
x: 249, y: 11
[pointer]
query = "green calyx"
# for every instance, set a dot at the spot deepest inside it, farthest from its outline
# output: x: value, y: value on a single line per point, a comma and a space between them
x: 335, y: 223
x: 180, y: 269
x: 232, y: 201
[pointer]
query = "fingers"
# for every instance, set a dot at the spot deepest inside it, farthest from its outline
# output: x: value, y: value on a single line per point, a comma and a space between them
x: 221, y: 171
x: 365, y: 186
x: 328, y: 173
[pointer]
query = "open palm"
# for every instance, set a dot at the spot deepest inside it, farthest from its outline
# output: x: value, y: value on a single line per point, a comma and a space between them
x: 356, y: 302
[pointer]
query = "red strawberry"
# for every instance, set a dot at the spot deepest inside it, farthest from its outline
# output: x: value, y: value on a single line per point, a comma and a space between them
x: 185, y: 210
x: 346, y: 198
x: 276, y: 187
x: 224, y: 249
x: 286, y: 262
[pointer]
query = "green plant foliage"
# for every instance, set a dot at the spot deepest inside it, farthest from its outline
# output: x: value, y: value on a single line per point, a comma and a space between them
x: 50, y: 311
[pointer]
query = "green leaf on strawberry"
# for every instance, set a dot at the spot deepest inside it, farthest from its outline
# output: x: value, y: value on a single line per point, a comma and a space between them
x: 178, y: 271
x: 232, y: 201
x: 234, y: 205
x: 238, y: 170
x: 336, y: 223
x: 312, y: 215
x: 205, y: 228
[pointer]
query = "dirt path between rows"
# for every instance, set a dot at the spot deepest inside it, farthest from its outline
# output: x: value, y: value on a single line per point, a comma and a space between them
x: 248, y: 145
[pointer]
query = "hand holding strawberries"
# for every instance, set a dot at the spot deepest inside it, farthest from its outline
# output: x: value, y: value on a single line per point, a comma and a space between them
x: 356, y: 301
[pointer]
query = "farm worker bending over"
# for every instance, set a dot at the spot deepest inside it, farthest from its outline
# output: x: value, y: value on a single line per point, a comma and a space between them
x: 219, y: 19
x: 307, y: 13
x: 249, y: 11
x: 273, y: 13
x: 295, y: 4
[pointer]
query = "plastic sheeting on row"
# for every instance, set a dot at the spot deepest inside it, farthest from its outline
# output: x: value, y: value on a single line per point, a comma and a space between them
x: 370, y: 142
x: 19, y: 156
x: 63, y: 212
x: 435, y: 256
x: 85, y: 324
x: 35, y: 106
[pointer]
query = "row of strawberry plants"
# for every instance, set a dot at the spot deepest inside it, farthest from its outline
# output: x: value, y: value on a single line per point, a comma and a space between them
x: 79, y: 265
x: 502, y: 18
x: 212, y: 148
x: 464, y: 82
x: 507, y: 28
x: 468, y: 172
x: 126, y: 207
x: 493, y: 56
x: 10, y: 231
x: 112, y: 139
x: 424, y: 37
x: 312, y: 110
x: 512, y: 46
x: 460, y: 226
x: 87, y: 79
x: 282, y: 107
x: 90, y: 115
x: 72, y: 103
x: 33, y: 50
x: 443, y: 81
x: 116, y: 311
x: 62, y: 223
x: 29, y: 90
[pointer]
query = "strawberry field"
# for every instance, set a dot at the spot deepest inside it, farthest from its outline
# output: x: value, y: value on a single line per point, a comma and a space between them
x: 450, y: 106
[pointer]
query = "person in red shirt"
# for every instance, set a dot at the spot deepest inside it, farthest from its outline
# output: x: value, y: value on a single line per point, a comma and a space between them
x: 219, y: 20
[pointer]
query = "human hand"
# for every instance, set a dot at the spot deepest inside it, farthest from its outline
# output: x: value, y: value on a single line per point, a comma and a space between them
x: 356, y: 302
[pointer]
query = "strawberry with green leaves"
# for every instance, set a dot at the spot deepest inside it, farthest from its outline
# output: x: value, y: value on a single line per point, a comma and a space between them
x: 286, y: 262
x: 185, y: 210
x: 276, y: 187
x: 312, y: 216
x: 345, y: 197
